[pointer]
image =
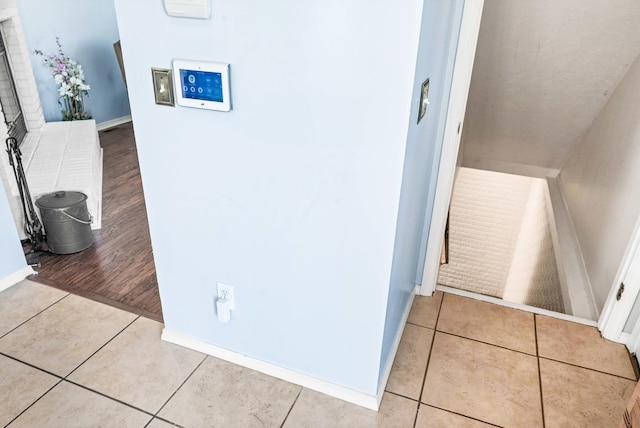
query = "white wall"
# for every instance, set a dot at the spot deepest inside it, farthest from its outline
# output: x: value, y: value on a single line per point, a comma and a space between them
x: 12, y: 259
x: 543, y: 71
x: 435, y: 60
x: 600, y: 180
x: 292, y: 197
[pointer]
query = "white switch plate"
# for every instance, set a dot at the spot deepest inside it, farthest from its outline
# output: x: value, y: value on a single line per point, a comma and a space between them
x: 225, y: 290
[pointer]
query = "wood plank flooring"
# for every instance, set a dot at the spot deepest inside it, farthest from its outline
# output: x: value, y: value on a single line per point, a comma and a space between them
x: 118, y: 269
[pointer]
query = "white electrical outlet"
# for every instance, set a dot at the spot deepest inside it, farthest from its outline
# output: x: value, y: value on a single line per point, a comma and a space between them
x: 226, y: 291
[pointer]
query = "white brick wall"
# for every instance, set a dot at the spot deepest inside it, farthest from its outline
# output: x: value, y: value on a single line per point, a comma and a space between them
x: 19, y: 60
x: 486, y: 232
x: 56, y: 156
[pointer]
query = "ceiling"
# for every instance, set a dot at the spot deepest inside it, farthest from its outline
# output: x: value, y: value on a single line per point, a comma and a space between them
x: 543, y: 71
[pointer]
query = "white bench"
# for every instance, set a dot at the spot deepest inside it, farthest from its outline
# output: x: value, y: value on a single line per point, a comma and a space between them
x: 59, y: 156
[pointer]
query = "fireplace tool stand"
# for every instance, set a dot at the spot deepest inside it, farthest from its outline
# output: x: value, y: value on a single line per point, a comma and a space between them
x: 36, y: 240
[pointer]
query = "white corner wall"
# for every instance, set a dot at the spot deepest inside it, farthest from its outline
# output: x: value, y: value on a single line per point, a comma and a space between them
x: 13, y: 265
x: 600, y: 182
x: 543, y: 71
x: 293, y: 196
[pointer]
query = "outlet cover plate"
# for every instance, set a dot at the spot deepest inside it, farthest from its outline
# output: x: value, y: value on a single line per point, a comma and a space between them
x: 224, y: 289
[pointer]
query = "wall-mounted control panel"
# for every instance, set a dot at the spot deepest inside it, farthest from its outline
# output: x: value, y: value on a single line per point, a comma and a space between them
x: 188, y: 8
x: 202, y: 84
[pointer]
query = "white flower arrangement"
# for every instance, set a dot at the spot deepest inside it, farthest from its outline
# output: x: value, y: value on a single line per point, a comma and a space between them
x: 69, y: 75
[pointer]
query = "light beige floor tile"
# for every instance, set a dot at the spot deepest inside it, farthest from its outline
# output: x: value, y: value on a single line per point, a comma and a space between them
x: 410, y: 362
x: 20, y: 386
x: 424, y: 311
x: 489, y: 323
x: 24, y: 300
x: 316, y: 410
x: 63, y: 336
x: 582, y: 346
x: 225, y: 395
x: 138, y: 368
x: 430, y: 417
x: 68, y: 406
x: 159, y: 423
x: 484, y: 382
x: 577, y: 397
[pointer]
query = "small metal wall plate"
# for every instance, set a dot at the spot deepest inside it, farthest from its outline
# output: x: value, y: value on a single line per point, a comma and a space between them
x: 424, y: 100
x: 163, y: 86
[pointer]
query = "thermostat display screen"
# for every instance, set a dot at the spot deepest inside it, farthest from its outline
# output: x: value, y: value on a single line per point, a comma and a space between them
x: 201, y: 85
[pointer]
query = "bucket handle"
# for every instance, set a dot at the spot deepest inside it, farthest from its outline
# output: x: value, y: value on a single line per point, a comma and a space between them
x: 79, y: 220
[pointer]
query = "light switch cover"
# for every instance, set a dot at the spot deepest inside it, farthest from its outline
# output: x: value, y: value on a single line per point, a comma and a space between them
x: 163, y: 86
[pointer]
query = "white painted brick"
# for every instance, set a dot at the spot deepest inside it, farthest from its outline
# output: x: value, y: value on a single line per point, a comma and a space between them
x: 486, y: 212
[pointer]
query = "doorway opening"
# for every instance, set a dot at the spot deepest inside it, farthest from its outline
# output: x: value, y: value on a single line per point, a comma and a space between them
x: 501, y: 238
x: 118, y: 269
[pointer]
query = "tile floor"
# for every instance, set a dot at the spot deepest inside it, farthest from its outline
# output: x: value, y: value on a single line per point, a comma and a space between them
x: 66, y: 361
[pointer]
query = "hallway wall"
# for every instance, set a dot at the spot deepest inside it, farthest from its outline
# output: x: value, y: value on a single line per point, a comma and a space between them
x: 295, y: 192
x: 600, y: 180
x: 11, y: 256
x: 543, y: 71
x: 87, y: 31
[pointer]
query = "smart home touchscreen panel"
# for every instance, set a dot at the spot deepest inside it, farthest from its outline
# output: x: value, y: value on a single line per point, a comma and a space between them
x: 202, y: 84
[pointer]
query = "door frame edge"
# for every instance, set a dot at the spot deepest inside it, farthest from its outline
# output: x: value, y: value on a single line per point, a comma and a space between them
x: 461, y: 81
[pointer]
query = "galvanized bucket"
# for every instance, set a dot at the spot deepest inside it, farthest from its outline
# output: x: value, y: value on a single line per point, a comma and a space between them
x: 66, y: 221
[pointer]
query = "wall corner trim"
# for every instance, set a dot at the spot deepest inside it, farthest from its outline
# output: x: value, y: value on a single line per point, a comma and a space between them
x: 356, y: 397
x: 573, y: 267
x: 396, y: 344
x: 15, y: 277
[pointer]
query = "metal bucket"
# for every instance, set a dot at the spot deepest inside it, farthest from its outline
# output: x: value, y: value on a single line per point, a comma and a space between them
x: 66, y: 221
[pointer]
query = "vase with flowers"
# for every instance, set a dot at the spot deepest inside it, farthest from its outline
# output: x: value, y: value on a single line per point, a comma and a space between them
x: 68, y: 74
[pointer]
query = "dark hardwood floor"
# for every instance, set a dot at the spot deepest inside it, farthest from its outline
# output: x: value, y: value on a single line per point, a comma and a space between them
x: 118, y: 269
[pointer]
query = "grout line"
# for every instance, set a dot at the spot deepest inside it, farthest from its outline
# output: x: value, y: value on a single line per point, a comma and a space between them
x: 291, y: 408
x: 463, y: 415
x: 163, y: 420
x: 587, y: 368
x: 486, y: 343
x: 535, y: 330
x: 426, y: 369
x: 181, y: 385
x: 36, y: 400
x: 401, y: 395
x: 100, y: 348
x: 86, y: 388
x: 634, y: 364
x: 32, y: 366
x: 29, y: 319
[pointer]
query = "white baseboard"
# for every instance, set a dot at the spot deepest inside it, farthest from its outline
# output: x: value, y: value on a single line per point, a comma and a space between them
x: 396, y: 344
x: 15, y: 277
x: 113, y: 123
x: 571, y: 263
x: 328, y: 388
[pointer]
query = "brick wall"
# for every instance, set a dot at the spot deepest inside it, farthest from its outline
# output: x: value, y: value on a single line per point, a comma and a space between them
x: 19, y: 60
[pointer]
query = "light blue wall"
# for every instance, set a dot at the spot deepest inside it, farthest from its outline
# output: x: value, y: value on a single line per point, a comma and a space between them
x: 438, y: 40
x: 87, y: 30
x: 11, y: 257
x: 293, y: 196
